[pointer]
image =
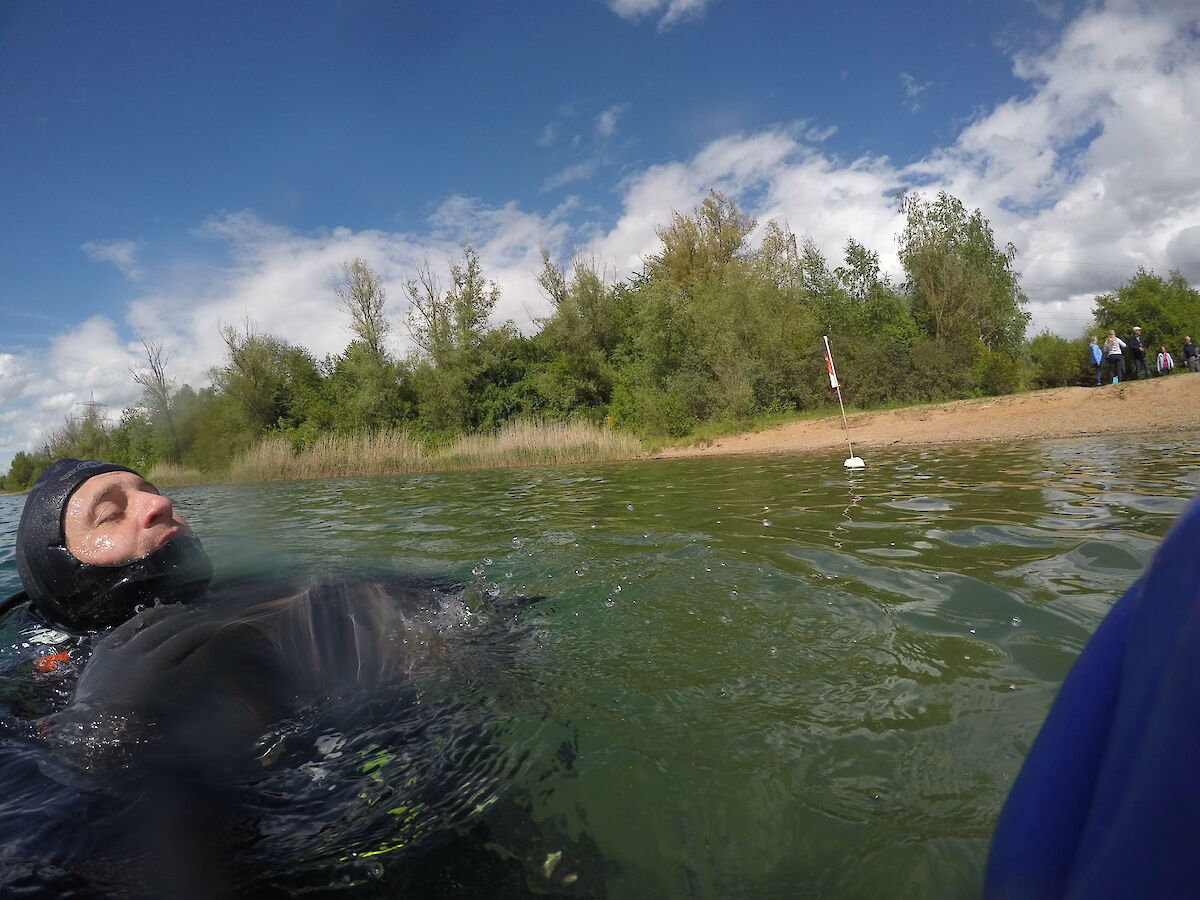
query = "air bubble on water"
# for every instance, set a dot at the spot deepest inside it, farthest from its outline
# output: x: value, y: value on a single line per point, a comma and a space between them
x: 1016, y: 621
x: 629, y: 506
x: 972, y: 631
x: 517, y: 543
x: 966, y: 657
x: 1012, y: 687
x: 937, y: 576
x: 478, y: 570
x: 774, y: 651
x: 617, y: 589
x: 593, y: 524
x: 580, y: 571
x: 487, y: 560
x: 766, y: 523
x: 610, y: 602
x: 140, y: 608
x: 493, y: 590
x: 733, y: 594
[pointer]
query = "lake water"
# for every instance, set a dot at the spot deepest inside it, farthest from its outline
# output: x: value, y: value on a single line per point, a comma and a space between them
x: 753, y: 677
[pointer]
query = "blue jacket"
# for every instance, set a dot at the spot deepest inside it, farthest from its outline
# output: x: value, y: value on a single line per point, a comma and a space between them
x: 1107, y: 801
x: 1097, y: 356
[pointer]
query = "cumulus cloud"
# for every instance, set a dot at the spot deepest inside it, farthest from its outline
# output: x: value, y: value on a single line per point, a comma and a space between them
x: 1089, y: 171
x: 671, y: 12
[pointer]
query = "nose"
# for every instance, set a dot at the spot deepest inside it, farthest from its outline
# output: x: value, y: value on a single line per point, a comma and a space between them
x: 155, y: 509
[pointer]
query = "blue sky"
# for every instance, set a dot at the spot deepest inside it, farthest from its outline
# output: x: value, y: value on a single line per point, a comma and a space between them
x: 169, y: 167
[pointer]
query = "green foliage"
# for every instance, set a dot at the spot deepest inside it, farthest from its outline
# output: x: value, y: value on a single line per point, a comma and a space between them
x: 702, y: 245
x: 362, y: 297
x: 995, y: 373
x: 1166, y: 309
x: 713, y: 333
x: 963, y: 288
x: 1057, y: 362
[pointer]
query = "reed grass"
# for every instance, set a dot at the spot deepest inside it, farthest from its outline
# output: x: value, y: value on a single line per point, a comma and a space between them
x: 387, y: 452
x: 525, y: 442
x: 166, y: 474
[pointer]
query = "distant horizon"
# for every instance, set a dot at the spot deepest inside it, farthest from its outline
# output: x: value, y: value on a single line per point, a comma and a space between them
x: 169, y: 169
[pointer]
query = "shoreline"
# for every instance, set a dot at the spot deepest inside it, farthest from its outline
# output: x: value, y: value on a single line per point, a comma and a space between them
x: 1164, y: 404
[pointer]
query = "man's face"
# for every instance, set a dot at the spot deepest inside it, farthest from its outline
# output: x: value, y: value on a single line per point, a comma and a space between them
x: 118, y: 517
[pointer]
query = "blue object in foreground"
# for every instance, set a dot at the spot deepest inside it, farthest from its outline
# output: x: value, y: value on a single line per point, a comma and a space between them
x: 1107, y: 802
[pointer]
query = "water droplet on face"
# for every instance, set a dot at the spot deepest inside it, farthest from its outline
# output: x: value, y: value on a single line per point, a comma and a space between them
x: 1016, y: 621
x: 517, y: 543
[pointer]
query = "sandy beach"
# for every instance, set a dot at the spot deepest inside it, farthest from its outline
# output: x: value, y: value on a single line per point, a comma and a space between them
x: 1167, y: 404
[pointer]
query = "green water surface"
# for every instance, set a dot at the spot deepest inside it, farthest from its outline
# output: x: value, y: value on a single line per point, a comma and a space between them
x: 777, y: 678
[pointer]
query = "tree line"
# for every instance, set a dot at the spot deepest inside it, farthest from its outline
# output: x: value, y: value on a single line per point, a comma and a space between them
x: 711, y: 333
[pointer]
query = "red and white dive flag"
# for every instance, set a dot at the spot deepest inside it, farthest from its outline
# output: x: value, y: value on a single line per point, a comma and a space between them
x: 833, y: 379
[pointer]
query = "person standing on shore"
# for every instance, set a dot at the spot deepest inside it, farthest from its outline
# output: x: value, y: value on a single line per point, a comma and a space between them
x: 1114, y: 349
x: 1096, y: 355
x: 1163, y: 362
x: 1191, y: 356
x: 1137, y: 353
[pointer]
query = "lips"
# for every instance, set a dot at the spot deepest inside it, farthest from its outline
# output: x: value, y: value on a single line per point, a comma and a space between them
x: 169, y: 534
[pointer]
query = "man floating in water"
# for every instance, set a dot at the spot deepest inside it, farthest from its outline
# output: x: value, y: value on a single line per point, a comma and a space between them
x: 97, y: 542
x: 186, y: 712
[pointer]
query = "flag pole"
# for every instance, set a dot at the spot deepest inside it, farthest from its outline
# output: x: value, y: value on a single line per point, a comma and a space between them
x: 854, y: 462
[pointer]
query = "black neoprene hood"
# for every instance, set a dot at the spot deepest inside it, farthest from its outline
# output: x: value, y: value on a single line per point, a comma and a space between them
x: 82, y: 596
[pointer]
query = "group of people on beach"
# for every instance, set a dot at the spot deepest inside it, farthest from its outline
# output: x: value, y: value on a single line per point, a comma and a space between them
x: 1131, y: 356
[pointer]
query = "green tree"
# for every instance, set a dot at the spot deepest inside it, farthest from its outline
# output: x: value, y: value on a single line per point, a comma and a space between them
x: 451, y: 330
x: 702, y: 245
x: 1057, y: 362
x: 963, y: 288
x: 1166, y: 309
x: 157, y: 389
x: 362, y: 297
x: 270, y: 383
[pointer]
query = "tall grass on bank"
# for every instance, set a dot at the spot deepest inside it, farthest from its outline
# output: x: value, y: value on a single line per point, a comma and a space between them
x: 386, y: 452
x: 533, y: 443
x: 166, y: 474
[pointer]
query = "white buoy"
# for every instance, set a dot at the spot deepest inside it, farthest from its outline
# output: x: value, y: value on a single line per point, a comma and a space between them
x: 855, y: 462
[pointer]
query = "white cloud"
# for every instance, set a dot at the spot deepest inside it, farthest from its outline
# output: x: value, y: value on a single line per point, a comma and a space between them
x: 577, y: 172
x: 913, y: 90
x: 672, y: 11
x: 122, y: 254
x: 606, y: 122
